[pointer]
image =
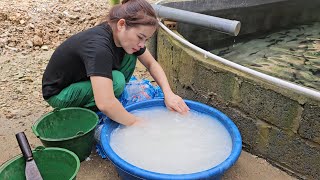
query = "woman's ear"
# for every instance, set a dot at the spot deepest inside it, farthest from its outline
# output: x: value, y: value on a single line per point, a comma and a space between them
x: 121, y: 24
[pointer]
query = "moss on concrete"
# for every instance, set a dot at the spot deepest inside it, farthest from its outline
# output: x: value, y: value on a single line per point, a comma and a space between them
x: 291, y: 151
x: 310, y: 123
x: 270, y: 106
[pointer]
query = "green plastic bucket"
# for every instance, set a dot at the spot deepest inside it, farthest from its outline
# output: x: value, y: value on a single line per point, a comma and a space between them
x: 53, y: 163
x: 69, y: 128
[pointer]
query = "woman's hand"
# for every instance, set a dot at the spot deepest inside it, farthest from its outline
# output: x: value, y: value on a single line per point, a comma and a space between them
x: 138, y: 121
x: 175, y: 103
x: 172, y: 101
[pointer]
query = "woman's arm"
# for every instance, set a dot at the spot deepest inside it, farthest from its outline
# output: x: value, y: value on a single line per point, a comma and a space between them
x: 107, y: 103
x: 172, y: 101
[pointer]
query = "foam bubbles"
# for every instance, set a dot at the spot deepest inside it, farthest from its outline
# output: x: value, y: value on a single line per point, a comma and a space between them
x: 168, y: 142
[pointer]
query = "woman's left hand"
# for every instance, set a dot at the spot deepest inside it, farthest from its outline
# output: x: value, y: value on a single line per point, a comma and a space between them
x: 175, y: 103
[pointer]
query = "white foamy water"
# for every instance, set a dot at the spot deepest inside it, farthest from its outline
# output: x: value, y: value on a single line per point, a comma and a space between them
x: 169, y: 142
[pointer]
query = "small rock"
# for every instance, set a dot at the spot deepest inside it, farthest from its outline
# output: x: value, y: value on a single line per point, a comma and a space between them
x: 37, y: 41
x: 82, y: 19
x: 60, y: 16
x: 303, y: 46
x: 3, y: 41
x: 12, y: 18
x: 31, y: 26
x: 3, y: 17
x: 36, y: 93
x: 22, y: 21
x: 73, y: 17
x: 28, y: 79
x: 11, y: 48
x: 18, y: 14
x: 38, y: 32
x: 12, y: 44
x: 30, y: 44
x: 45, y: 47
x: 20, y: 29
x: 20, y: 75
x: 9, y: 116
x: 76, y: 9
x: 15, y: 112
x: 5, y: 34
x: 61, y: 32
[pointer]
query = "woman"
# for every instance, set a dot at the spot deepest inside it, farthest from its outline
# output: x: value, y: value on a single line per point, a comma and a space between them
x: 90, y: 69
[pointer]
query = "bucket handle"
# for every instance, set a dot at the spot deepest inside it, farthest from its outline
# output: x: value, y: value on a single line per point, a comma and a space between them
x: 56, y: 109
x: 80, y: 133
x: 35, y: 131
x: 39, y: 148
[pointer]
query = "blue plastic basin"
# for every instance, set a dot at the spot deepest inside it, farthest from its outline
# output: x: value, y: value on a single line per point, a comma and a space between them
x: 128, y: 171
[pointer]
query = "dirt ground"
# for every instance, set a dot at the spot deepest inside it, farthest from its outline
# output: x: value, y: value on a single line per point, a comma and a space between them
x: 29, y: 32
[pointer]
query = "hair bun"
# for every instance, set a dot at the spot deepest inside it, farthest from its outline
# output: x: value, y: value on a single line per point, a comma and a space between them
x: 135, y: 12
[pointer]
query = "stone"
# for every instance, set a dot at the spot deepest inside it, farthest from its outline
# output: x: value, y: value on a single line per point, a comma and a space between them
x: 302, y: 46
x: 11, y: 48
x: 31, y: 26
x: 45, y: 47
x: 29, y: 43
x: 3, y: 42
x: 76, y: 9
x: 3, y: 16
x: 37, y: 41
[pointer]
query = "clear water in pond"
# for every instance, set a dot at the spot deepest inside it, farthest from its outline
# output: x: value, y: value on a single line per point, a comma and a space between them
x: 171, y: 143
x: 291, y: 54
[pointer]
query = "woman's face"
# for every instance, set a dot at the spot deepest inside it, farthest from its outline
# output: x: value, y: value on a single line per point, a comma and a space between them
x: 131, y: 39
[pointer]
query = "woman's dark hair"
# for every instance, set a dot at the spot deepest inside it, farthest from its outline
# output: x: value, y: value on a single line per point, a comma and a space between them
x: 135, y: 13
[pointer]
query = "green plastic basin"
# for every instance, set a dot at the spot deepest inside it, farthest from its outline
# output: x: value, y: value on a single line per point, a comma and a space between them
x: 53, y: 164
x: 69, y: 128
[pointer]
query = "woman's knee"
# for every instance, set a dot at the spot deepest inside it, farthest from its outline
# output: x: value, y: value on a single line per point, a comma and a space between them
x: 119, y: 82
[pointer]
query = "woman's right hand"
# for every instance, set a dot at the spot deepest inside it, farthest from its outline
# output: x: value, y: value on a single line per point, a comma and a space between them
x: 138, y: 122
x: 107, y: 102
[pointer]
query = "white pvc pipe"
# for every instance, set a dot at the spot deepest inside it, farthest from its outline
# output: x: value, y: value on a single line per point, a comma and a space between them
x: 227, y: 26
x: 279, y: 82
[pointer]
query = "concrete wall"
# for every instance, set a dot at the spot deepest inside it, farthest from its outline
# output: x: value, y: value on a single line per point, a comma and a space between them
x: 275, y: 123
